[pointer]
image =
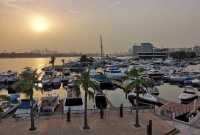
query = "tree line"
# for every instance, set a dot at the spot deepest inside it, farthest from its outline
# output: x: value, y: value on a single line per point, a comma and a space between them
x: 183, y: 55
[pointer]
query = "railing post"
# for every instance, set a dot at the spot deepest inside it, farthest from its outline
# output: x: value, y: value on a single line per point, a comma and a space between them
x: 69, y: 115
x: 149, y: 128
x: 121, y: 111
x: 0, y: 117
x: 101, y: 112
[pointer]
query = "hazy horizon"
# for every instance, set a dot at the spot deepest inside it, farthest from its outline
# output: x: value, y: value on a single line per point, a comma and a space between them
x: 75, y: 25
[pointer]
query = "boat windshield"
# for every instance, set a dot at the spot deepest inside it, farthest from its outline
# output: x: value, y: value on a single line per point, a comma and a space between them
x: 100, y: 77
x: 189, y: 92
x: 115, y: 71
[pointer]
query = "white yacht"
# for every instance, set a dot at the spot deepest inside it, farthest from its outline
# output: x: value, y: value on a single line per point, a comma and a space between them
x: 188, y: 95
x: 143, y: 98
x: 153, y: 90
x: 113, y: 72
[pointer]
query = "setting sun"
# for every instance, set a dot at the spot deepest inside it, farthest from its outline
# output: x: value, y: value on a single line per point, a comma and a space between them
x: 40, y: 24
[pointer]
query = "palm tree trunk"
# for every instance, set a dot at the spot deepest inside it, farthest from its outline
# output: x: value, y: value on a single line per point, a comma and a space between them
x: 136, y: 109
x: 32, y: 114
x: 85, y: 126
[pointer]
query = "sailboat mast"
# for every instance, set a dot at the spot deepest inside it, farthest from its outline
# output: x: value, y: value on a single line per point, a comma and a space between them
x: 101, y: 43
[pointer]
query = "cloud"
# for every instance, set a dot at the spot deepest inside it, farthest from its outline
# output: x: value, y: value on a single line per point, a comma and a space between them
x: 11, y: 4
x: 115, y: 4
x: 74, y: 11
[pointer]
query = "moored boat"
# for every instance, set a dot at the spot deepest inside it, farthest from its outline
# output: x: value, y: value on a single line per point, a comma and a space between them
x: 75, y: 104
x: 113, y: 72
x: 144, y: 98
x: 24, y: 108
x: 189, y: 94
x: 48, y: 104
x: 8, y: 104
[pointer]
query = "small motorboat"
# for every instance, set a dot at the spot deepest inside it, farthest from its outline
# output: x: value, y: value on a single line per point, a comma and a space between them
x: 75, y: 104
x: 65, y: 80
x: 144, y: 98
x: 2, y: 79
x: 153, y: 91
x: 56, y: 82
x: 65, y: 76
x: 102, y: 80
x: 46, y: 82
x: 8, y: 104
x: 48, y: 104
x: 155, y: 74
x: 8, y: 78
x: 24, y: 108
x: 11, y: 77
x: 66, y: 72
x: 113, y: 72
x: 189, y: 94
x: 100, y: 101
x: 196, y: 82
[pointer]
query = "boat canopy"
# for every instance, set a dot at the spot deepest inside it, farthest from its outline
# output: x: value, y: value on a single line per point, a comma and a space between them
x: 73, y: 102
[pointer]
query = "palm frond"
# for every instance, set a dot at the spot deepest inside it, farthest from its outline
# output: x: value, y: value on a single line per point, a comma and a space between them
x: 23, y: 86
x: 134, y: 80
x: 94, y: 86
x: 27, y: 82
x: 90, y: 94
x: 130, y: 86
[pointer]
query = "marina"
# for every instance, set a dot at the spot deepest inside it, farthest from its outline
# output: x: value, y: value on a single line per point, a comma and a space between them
x: 166, y: 91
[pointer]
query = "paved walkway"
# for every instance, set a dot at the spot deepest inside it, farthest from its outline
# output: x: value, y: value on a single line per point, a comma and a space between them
x: 185, y: 129
x: 112, y: 124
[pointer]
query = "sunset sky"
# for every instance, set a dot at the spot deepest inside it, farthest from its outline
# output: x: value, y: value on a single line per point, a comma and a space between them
x: 75, y: 25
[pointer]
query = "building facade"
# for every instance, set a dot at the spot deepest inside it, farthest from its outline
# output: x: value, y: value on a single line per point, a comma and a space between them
x: 148, y: 51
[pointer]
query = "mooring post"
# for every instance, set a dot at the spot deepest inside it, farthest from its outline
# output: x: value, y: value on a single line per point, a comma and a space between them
x: 0, y: 118
x: 69, y: 115
x: 121, y: 111
x: 150, y: 128
x: 101, y: 112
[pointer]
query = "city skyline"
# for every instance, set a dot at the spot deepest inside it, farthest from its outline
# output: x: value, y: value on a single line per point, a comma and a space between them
x: 75, y: 26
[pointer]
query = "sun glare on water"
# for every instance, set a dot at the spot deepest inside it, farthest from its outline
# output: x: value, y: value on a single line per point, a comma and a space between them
x: 40, y: 24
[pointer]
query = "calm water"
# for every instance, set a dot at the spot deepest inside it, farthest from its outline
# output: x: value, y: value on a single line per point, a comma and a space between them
x: 117, y: 97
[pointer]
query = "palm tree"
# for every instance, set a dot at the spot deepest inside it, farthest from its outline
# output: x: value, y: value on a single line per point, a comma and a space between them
x: 52, y: 61
x: 26, y: 84
x: 85, y: 82
x: 135, y: 82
